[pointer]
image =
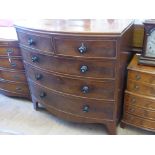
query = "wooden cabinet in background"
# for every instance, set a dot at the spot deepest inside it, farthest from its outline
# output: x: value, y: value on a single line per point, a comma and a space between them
x: 138, y: 36
x: 13, y: 81
x: 139, y: 102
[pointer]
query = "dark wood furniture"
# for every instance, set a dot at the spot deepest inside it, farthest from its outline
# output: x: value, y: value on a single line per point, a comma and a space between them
x: 12, y: 74
x: 76, y: 68
x: 139, y: 102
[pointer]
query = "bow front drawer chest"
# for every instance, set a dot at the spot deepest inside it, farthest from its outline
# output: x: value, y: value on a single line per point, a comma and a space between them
x: 76, y: 68
x: 12, y: 74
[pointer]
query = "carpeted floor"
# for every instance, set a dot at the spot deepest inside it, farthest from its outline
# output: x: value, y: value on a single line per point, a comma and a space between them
x: 17, y: 117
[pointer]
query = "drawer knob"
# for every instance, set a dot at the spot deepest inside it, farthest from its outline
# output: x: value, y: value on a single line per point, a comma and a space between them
x: 85, y: 108
x: 30, y: 41
x: 83, y: 69
x: 9, y: 51
x: 18, y: 88
x: 136, y: 87
x: 138, y: 77
x: 38, y: 76
x: 82, y: 49
x: 132, y: 110
x: 13, y: 64
x: 85, y: 89
x: 35, y: 59
x: 16, y: 77
x: 43, y: 95
x: 133, y: 100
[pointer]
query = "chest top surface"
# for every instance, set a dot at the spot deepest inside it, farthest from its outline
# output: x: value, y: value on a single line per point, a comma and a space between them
x: 142, y: 68
x: 80, y: 26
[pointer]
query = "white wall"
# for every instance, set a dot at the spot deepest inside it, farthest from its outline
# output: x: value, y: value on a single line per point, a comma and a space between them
x: 76, y: 9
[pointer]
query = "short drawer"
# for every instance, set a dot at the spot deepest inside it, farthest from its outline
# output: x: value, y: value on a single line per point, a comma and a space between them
x: 139, y: 100
x: 83, y: 68
x: 148, y: 114
x: 11, y: 63
x: 139, y: 122
x: 74, y: 105
x: 85, y: 48
x: 141, y: 88
x: 21, y: 88
x: 36, y: 41
x: 18, y: 76
x: 73, y: 86
x: 10, y: 51
x: 141, y: 77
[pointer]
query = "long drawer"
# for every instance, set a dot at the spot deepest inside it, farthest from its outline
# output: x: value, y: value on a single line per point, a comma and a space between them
x: 78, y: 87
x: 139, y: 122
x: 86, y: 68
x: 85, y: 47
x: 148, y: 114
x: 21, y: 88
x: 12, y: 63
x: 139, y: 100
x: 11, y: 51
x: 74, y: 105
x: 141, y: 88
x: 141, y: 77
x: 13, y: 75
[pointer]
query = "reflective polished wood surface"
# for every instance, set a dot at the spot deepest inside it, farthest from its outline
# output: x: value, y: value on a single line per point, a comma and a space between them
x: 76, y: 68
x: 93, y: 26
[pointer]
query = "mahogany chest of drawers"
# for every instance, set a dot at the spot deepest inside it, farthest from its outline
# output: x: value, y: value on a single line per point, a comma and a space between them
x: 76, y: 68
x: 139, y: 102
x: 12, y: 74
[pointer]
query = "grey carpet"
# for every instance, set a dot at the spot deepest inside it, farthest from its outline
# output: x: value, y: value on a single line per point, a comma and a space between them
x: 17, y: 117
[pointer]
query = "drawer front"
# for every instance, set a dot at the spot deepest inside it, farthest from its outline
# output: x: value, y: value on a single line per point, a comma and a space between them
x: 35, y: 41
x: 12, y: 63
x: 17, y: 76
x: 9, y: 51
x: 72, y: 67
x: 148, y: 114
x: 141, y: 88
x: 139, y: 122
x: 74, y: 105
x: 85, y: 48
x: 14, y: 87
x: 73, y: 86
x: 141, y: 77
x: 139, y: 101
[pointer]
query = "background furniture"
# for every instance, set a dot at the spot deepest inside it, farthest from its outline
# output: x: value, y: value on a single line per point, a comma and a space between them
x: 76, y: 68
x: 139, y: 102
x: 138, y: 36
x: 12, y: 74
